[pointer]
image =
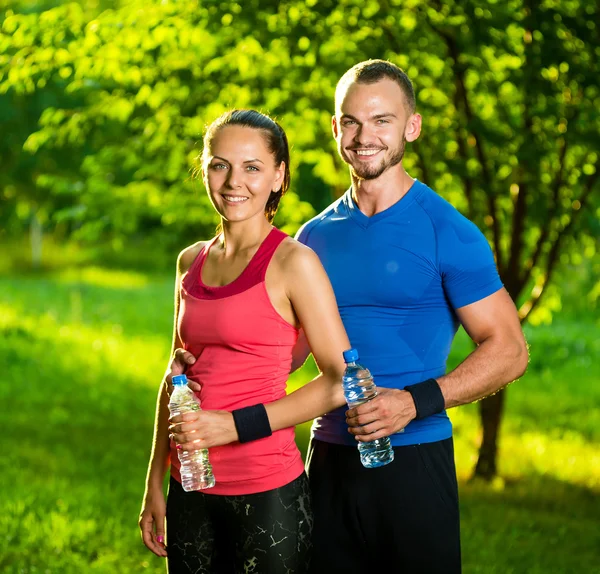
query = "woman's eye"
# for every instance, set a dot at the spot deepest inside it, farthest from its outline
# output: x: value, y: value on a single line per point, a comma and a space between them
x: 252, y: 168
x: 218, y: 166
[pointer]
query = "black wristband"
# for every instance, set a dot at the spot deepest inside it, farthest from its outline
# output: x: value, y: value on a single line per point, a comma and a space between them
x: 252, y: 423
x: 428, y: 398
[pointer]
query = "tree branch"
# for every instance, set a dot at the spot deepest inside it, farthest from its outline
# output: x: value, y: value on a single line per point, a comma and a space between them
x: 462, y: 151
x: 459, y: 74
x: 552, y: 213
x: 526, y: 309
x: 519, y: 215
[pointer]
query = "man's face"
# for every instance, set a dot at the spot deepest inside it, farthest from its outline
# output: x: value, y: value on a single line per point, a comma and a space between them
x: 369, y: 127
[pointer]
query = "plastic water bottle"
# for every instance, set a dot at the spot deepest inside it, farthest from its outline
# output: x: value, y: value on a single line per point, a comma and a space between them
x: 359, y: 388
x: 196, y: 470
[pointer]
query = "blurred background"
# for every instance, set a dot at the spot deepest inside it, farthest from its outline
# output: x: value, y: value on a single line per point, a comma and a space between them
x: 103, y: 104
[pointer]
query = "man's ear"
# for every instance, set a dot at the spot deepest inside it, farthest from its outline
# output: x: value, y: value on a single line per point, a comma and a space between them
x: 413, y: 128
x: 334, y: 127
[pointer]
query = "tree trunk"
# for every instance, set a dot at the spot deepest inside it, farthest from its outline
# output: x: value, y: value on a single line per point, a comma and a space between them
x: 490, y: 409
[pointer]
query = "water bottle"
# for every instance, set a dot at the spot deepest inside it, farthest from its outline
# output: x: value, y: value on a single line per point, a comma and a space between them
x: 196, y: 470
x: 359, y: 388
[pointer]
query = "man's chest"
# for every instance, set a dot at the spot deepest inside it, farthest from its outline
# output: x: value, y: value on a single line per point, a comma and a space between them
x: 369, y: 269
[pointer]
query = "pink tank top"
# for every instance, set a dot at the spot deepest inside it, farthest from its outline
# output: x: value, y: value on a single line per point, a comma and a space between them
x: 243, y: 351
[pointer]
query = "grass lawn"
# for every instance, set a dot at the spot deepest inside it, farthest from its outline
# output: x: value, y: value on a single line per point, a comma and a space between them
x: 81, y: 354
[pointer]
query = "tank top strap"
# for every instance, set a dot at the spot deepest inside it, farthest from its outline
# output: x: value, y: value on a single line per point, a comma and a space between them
x: 257, y: 268
x: 193, y: 272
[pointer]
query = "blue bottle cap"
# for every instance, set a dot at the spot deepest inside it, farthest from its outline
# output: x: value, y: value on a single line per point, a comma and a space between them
x: 350, y: 356
x: 179, y: 380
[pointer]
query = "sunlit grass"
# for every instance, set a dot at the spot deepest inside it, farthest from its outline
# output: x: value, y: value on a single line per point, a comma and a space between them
x: 81, y: 365
x: 111, y: 278
x: 82, y: 353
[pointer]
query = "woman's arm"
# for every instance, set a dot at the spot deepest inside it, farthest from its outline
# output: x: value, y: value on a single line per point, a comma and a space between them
x: 153, y: 513
x: 311, y: 295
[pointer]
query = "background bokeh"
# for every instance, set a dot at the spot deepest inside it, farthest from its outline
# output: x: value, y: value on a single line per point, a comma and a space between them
x: 102, y: 110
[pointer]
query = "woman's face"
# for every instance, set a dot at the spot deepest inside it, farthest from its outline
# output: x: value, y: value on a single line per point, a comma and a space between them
x: 239, y: 172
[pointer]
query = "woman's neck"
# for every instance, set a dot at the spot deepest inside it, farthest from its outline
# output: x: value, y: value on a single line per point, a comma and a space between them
x: 240, y: 236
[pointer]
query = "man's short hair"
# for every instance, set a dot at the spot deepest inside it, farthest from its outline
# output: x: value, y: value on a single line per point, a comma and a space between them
x: 372, y: 71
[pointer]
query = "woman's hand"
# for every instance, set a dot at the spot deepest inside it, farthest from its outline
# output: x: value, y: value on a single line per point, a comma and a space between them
x: 202, y: 429
x: 152, y: 521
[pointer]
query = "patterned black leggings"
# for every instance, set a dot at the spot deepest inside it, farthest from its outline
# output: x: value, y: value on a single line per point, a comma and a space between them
x: 264, y: 533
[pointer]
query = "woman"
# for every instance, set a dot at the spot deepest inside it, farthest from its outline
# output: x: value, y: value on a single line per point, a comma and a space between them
x: 241, y: 300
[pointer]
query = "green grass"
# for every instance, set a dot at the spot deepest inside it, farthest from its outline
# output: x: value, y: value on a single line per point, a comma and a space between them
x: 81, y: 354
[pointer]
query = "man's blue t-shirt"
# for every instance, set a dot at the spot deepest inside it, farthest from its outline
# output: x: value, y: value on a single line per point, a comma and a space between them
x: 397, y: 278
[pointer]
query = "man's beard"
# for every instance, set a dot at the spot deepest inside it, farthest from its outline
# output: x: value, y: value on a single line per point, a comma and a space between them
x: 374, y: 171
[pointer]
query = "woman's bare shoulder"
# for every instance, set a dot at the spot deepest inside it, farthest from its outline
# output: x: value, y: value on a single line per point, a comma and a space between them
x: 295, y: 256
x: 187, y: 256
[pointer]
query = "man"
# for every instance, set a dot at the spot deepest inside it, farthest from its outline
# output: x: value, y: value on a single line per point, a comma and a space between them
x: 406, y: 269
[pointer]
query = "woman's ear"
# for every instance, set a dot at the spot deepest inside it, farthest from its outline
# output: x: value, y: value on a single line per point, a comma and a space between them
x: 279, y: 175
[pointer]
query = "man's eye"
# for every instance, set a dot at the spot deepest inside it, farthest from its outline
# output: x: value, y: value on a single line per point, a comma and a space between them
x: 383, y: 122
x: 348, y: 122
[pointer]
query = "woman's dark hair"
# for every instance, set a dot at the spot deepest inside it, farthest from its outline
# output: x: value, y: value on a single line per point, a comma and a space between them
x: 276, y: 142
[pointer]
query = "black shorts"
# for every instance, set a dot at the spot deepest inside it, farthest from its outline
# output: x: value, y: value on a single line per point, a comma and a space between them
x: 404, y: 514
x: 267, y: 533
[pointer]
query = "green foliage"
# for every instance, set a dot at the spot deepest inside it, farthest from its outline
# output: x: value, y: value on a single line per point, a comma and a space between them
x: 82, y: 354
x: 104, y: 105
x: 137, y: 87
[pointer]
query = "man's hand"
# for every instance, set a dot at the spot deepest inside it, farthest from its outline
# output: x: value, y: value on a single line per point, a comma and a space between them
x: 180, y: 361
x: 388, y: 413
x: 202, y: 429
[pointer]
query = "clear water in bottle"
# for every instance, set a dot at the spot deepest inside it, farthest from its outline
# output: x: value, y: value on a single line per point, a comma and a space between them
x: 196, y: 470
x: 359, y: 387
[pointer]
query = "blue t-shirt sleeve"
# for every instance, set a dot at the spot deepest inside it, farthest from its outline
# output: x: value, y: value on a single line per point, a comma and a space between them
x: 302, y: 233
x: 466, y: 262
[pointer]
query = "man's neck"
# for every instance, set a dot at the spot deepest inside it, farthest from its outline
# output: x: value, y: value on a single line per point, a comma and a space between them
x: 376, y: 195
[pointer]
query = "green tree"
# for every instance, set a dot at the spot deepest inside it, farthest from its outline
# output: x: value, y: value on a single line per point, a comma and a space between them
x: 127, y: 96
x: 112, y: 104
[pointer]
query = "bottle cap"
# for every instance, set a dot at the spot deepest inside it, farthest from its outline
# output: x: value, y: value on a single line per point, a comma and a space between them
x: 350, y: 355
x: 179, y: 380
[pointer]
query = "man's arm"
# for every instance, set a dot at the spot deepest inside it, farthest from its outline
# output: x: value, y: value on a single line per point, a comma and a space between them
x: 501, y: 357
